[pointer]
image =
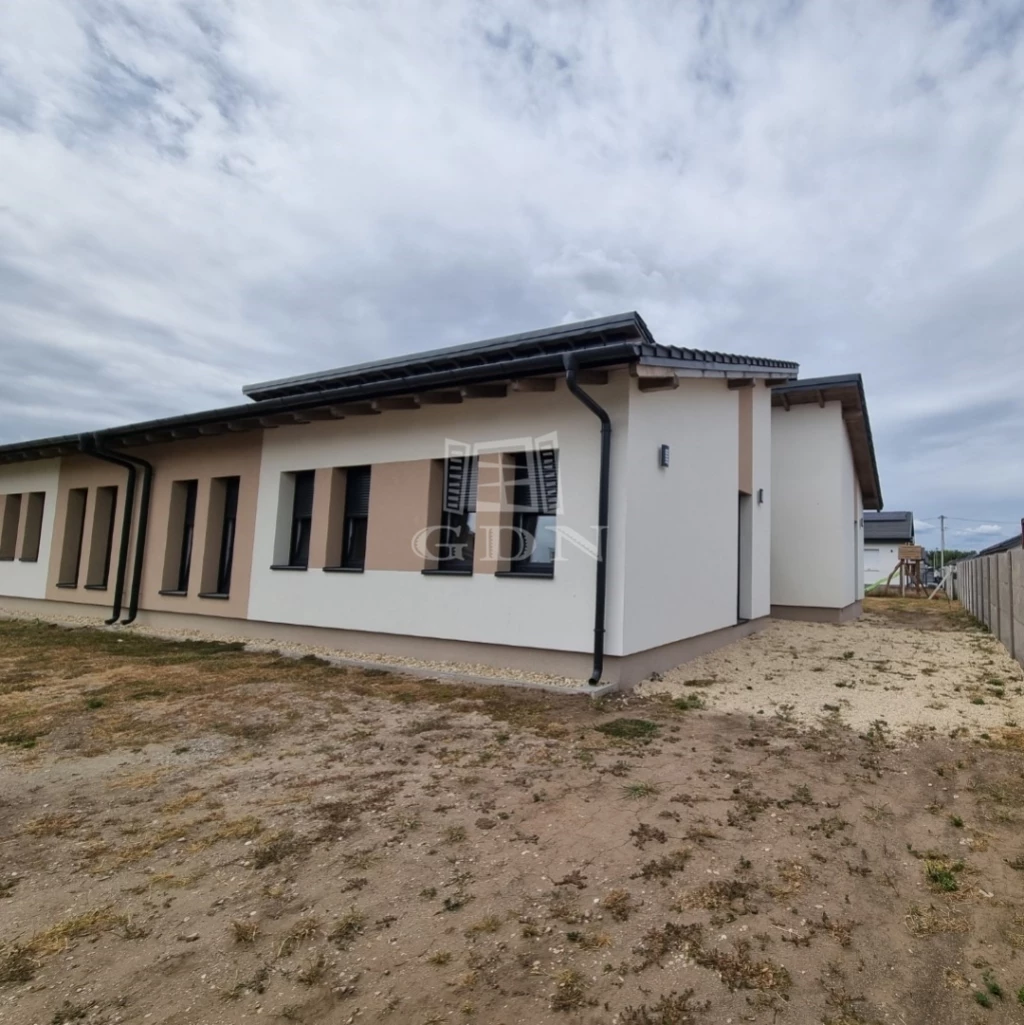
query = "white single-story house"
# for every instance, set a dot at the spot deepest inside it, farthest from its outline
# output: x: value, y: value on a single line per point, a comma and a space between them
x: 580, y: 500
x: 824, y: 475
x: 884, y: 532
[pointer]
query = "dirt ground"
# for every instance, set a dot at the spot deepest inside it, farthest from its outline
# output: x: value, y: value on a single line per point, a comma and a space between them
x: 907, y: 662
x: 194, y: 834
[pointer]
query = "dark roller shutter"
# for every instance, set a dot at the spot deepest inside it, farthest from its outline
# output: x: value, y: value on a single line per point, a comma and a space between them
x: 547, y: 472
x: 460, y: 484
x: 357, y: 491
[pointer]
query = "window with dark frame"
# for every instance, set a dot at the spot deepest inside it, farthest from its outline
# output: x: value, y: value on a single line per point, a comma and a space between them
x: 535, y: 504
x: 105, y: 512
x: 302, y: 519
x: 458, y: 515
x: 33, y: 526
x: 11, y: 506
x: 227, y: 535
x: 74, y: 534
x: 188, y: 533
x: 357, y: 513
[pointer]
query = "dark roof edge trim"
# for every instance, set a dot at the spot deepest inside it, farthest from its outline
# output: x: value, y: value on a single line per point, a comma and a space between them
x: 580, y: 338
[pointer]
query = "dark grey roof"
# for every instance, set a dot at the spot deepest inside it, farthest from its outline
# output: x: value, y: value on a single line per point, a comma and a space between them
x: 608, y: 342
x: 848, y: 390
x: 586, y: 338
x: 889, y: 526
x: 1003, y: 546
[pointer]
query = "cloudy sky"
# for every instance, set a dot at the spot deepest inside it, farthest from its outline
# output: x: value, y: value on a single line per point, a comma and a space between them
x: 194, y: 195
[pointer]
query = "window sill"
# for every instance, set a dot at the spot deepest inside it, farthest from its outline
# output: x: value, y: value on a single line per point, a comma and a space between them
x: 343, y: 569
x: 213, y: 594
x: 6, y: 558
x: 36, y: 559
x: 72, y: 585
x: 95, y: 587
x: 301, y: 569
x: 169, y: 593
x: 447, y: 572
x: 527, y: 574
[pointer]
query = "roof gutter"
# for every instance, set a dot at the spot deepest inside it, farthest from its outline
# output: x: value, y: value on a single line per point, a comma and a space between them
x: 571, y: 370
x: 91, y: 445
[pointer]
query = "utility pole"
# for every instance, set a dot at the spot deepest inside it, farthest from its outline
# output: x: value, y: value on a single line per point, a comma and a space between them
x: 942, y: 544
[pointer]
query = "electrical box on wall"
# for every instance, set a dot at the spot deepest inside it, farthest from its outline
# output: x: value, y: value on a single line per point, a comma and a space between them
x: 663, y: 456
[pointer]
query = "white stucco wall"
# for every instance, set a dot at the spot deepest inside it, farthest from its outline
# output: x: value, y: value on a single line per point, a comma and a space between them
x: 848, y: 522
x: 555, y: 614
x: 761, y: 597
x: 28, y: 579
x: 813, y: 540
x: 681, y: 522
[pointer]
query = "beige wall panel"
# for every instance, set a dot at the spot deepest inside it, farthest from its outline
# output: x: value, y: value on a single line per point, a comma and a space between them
x: 404, y: 498
x: 84, y: 472
x: 746, y: 460
x: 202, y: 459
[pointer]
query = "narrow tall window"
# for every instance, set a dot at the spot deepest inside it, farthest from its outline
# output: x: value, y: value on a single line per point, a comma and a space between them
x: 33, y: 527
x: 458, y: 515
x: 357, y: 512
x: 74, y: 528
x: 188, y: 534
x: 227, y: 535
x: 534, y: 503
x: 9, y: 525
x: 98, y: 571
x: 302, y: 519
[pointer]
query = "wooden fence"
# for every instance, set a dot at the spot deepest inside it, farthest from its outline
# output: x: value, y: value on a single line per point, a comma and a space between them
x: 991, y: 588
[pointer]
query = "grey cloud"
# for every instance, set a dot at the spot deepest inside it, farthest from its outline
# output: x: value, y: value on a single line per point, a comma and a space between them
x: 199, y: 195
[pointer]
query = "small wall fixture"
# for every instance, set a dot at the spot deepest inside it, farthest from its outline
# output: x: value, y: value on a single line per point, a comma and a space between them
x: 663, y: 456
x: 760, y: 496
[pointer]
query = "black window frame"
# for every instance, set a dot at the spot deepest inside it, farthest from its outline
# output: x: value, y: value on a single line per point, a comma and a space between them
x: 226, y: 555
x: 74, y: 496
x: 535, y: 497
x: 303, y: 490
x: 188, y: 535
x: 458, y: 515
x: 356, y: 519
x: 107, y: 538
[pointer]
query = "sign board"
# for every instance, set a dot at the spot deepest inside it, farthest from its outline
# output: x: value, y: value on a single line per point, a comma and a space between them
x: 914, y: 553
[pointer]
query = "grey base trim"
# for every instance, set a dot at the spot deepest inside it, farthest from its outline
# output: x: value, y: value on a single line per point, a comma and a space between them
x: 621, y: 671
x: 818, y: 614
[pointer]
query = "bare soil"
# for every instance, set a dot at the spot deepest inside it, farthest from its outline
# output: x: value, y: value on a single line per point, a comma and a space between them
x: 190, y: 833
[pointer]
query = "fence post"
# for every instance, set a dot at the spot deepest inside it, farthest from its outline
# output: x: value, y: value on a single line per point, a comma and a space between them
x: 1013, y: 631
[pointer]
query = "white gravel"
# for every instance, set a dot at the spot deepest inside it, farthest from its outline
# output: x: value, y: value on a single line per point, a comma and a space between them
x: 863, y: 671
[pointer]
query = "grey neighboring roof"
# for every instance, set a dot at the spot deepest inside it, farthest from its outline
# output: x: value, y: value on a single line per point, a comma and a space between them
x: 608, y: 342
x: 1003, y: 546
x: 897, y: 527
x: 586, y: 338
x: 848, y: 390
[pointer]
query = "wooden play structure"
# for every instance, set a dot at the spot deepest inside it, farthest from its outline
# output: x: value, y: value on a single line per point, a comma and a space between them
x: 909, y: 568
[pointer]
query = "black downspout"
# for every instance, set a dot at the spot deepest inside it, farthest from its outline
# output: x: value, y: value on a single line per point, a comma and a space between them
x: 90, y: 445
x: 140, y: 540
x: 571, y: 367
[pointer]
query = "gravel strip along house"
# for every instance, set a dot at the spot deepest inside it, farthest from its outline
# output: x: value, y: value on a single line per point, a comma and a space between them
x: 580, y: 501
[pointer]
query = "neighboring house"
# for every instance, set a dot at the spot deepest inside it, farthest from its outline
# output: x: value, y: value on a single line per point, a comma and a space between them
x: 1002, y: 546
x: 884, y: 532
x: 824, y: 476
x: 452, y: 504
